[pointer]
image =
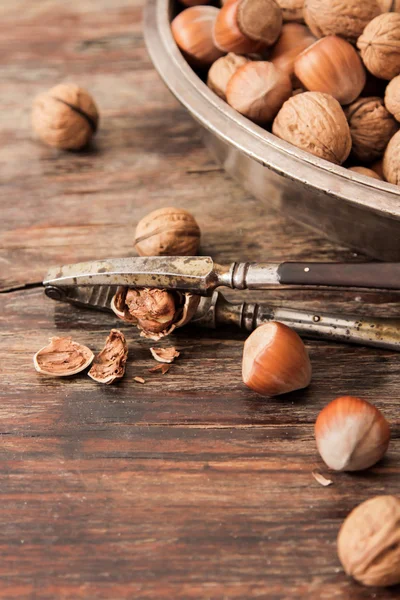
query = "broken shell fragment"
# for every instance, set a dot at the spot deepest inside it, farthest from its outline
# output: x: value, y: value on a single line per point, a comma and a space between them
x: 162, y: 367
x: 165, y: 355
x: 109, y: 364
x: 155, y: 312
x: 62, y: 357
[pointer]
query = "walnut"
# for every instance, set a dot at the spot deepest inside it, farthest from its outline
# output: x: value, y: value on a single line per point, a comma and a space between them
x: 65, y: 117
x: 292, y: 10
x: 371, y: 128
x: 365, y: 171
x: 389, y: 5
x: 369, y: 542
x: 346, y: 18
x: 155, y: 312
x: 62, y: 357
x: 391, y: 160
x: 380, y: 46
x: 109, y: 364
x: 315, y: 122
x: 392, y: 97
x: 222, y: 70
x: 167, y: 232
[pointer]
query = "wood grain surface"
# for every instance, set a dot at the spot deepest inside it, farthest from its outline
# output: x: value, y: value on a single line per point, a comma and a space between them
x: 189, y: 486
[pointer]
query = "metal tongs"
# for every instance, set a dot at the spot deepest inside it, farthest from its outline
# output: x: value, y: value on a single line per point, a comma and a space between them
x: 93, y: 285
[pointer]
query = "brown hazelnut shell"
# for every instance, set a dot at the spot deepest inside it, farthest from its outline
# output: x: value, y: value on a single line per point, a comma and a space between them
x: 365, y: 171
x: 389, y: 5
x: 369, y: 542
x: 293, y: 40
x: 379, y: 45
x: 221, y: 72
x: 192, y: 30
x: 316, y: 123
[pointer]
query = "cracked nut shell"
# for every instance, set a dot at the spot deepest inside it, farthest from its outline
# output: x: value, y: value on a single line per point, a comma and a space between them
x: 379, y: 45
x: 65, y: 117
x: 109, y: 364
x: 369, y: 542
x: 371, y: 128
x: 346, y: 18
x: 62, y: 357
x: 316, y: 123
x: 391, y: 160
x: 167, y: 231
x: 392, y: 97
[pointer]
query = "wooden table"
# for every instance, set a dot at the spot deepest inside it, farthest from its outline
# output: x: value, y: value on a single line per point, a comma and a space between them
x: 190, y: 486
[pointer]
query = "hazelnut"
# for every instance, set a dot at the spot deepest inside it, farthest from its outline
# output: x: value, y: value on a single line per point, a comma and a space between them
x: 379, y: 45
x: 346, y: 18
x: 62, y: 357
x: 392, y: 97
x: 316, y: 123
x: 292, y: 10
x: 371, y: 128
x: 193, y: 33
x: 275, y: 360
x: 109, y: 364
x: 167, y: 231
x: 389, y: 5
x: 369, y: 542
x: 391, y: 160
x: 351, y: 434
x: 65, y: 117
x: 333, y: 66
x: 366, y: 172
x: 244, y: 26
x: 155, y: 312
x: 221, y: 72
x: 258, y: 90
x: 293, y: 40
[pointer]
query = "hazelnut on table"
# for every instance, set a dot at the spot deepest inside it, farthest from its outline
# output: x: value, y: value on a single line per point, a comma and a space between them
x: 65, y: 117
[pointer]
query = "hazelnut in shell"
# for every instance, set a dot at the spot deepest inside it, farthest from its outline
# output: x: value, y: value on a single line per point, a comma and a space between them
x: 392, y: 97
x: 333, y: 66
x: 369, y: 542
x: 316, y: 123
x: 351, y: 434
x: 109, y: 364
x: 365, y: 171
x: 167, y: 231
x: 391, y: 160
x: 379, y: 45
x: 275, y: 360
x: 371, y: 128
x: 65, y: 117
x: 193, y: 33
x: 257, y: 90
x: 245, y: 26
x: 346, y: 18
x: 222, y: 70
x: 292, y: 10
x: 293, y: 40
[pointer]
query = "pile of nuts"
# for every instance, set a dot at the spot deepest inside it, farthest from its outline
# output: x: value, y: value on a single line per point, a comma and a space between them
x: 323, y: 75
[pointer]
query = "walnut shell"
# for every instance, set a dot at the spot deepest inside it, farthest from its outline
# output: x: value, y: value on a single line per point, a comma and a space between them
x: 65, y: 117
x: 392, y: 97
x: 167, y: 231
x: 62, y: 357
x: 391, y: 160
x: 292, y: 10
x: 369, y: 542
x: 222, y: 70
x: 316, y: 123
x: 371, y: 128
x: 379, y: 45
x: 389, y: 5
x: 346, y: 18
x: 109, y: 364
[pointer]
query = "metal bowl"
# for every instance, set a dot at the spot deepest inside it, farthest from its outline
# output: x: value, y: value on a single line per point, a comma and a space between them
x: 358, y: 211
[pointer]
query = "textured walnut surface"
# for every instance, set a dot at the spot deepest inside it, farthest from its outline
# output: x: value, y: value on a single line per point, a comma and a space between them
x: 109, y: 364
x: 62, y: 357
x: 315, y: 122
x: 392, y: 97
x: 346, y: 18
x: 292, y: 10
x: 380, y: 46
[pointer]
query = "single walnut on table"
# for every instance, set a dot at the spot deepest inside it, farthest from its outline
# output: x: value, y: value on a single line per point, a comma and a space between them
x: 167, y: 232
x: 371, y: 128
x: 369, y: 542
x: 315, y: 122
x: 65, y: 117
